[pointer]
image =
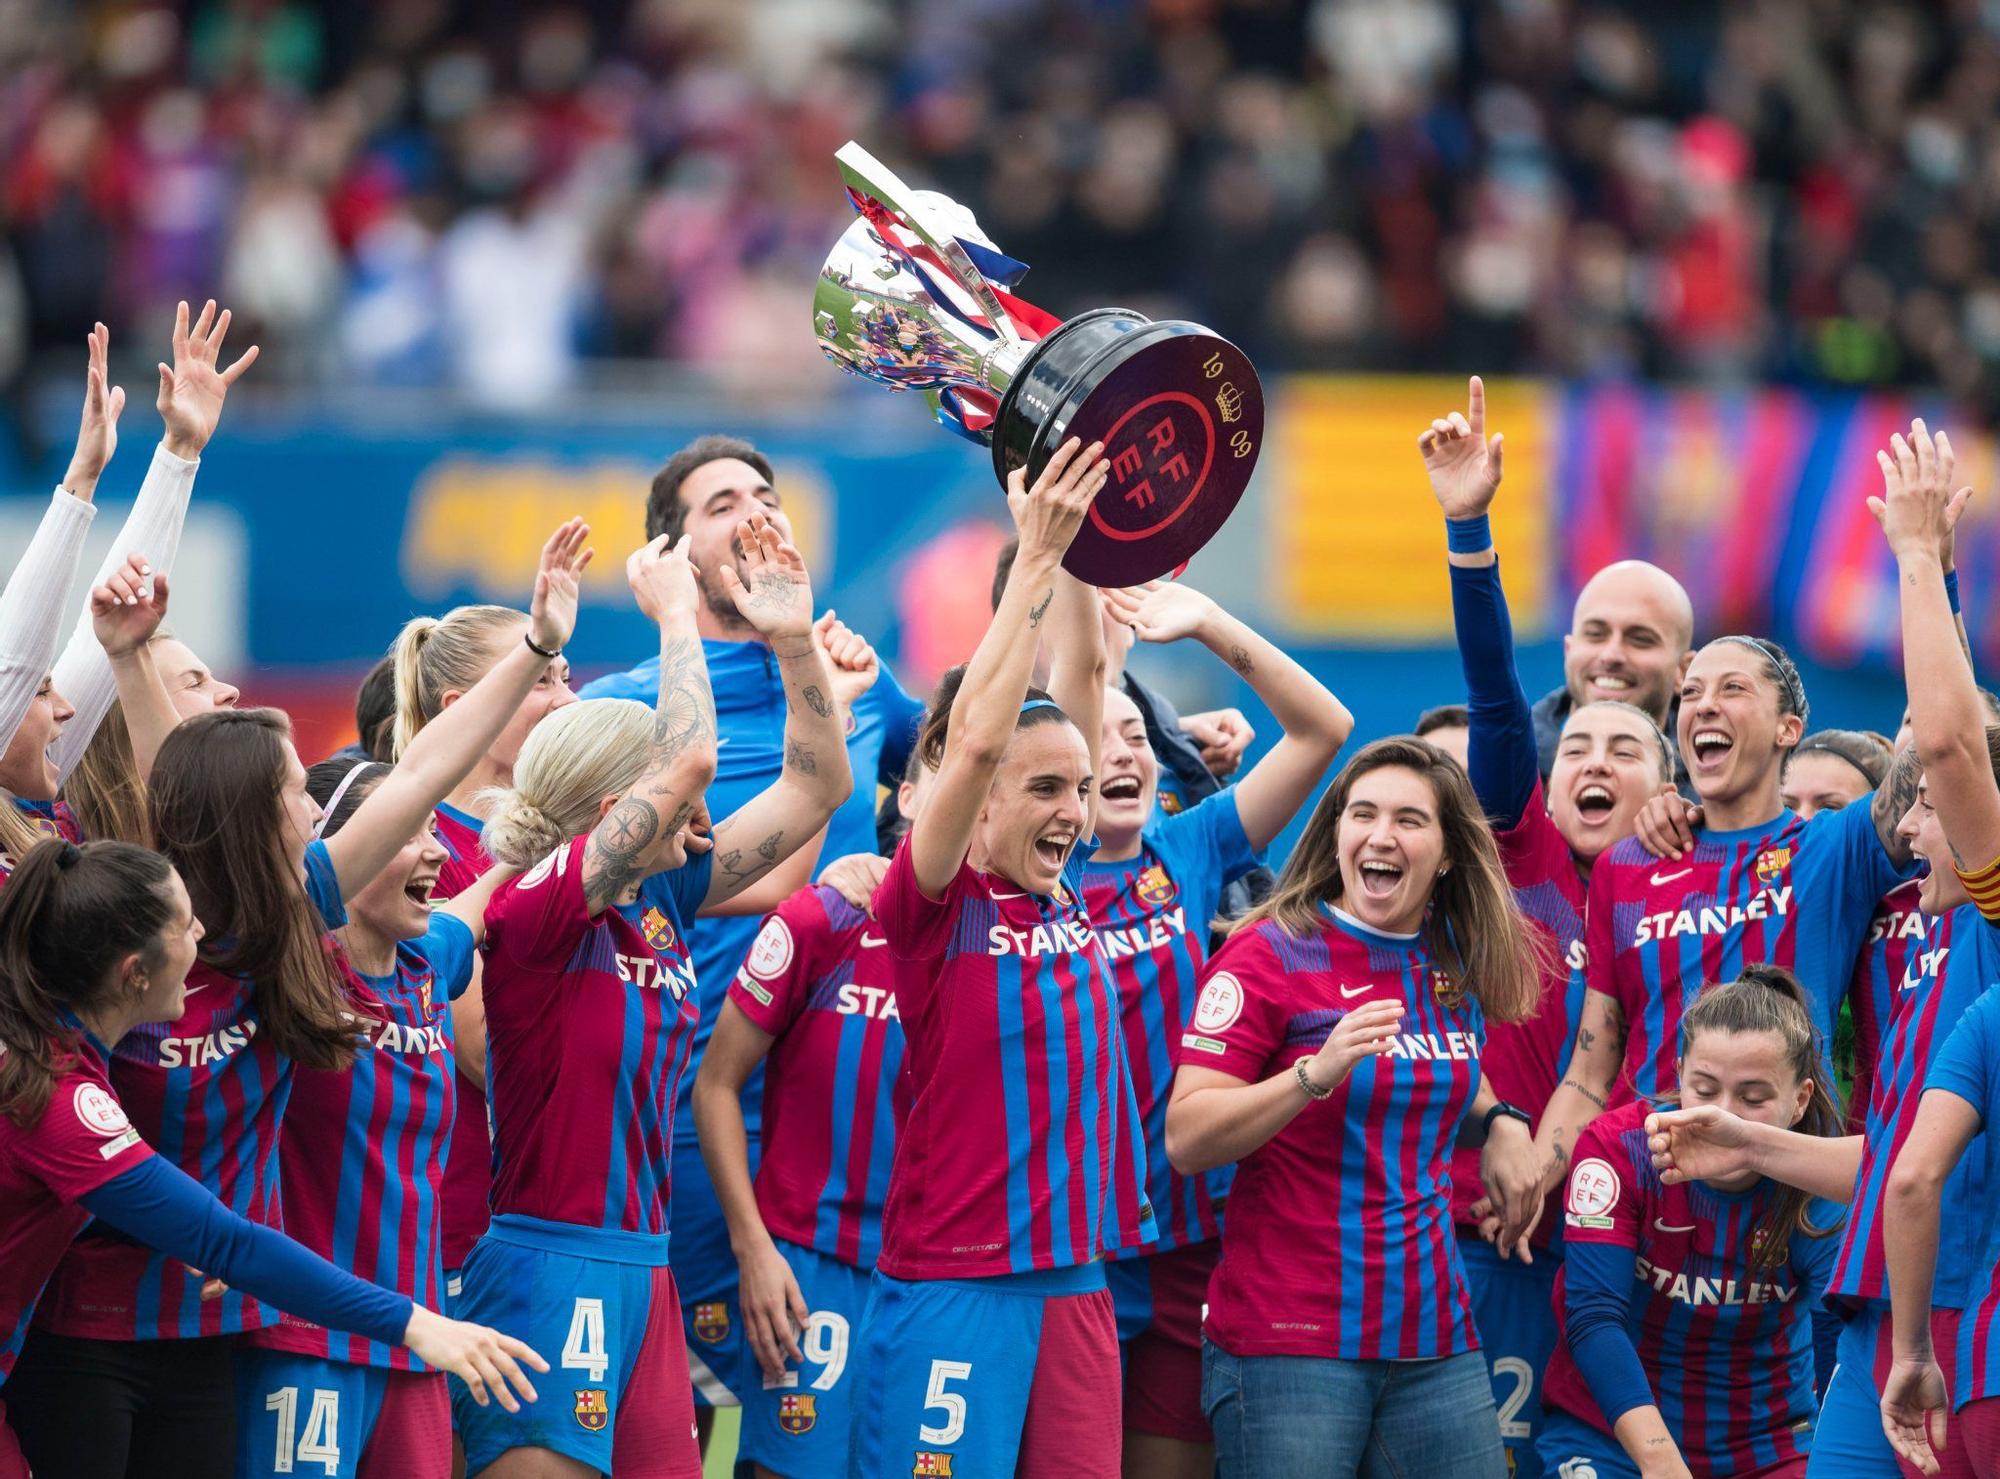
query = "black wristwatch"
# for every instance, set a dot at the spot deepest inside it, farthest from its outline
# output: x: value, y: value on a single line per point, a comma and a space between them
x: 1499, y: 1110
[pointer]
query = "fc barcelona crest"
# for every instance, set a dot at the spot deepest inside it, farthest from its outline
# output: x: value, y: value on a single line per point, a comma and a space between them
x: 424, y: 997
x: 593, y: 1409
x: 1772, y: 863
x: 1154, y: 889
x: 658, y: 930
x: 931, y: 1466
x: 797, y: 1412
x: 711, y: 1321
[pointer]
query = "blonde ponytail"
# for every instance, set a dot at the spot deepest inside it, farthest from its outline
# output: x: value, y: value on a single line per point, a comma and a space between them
x: 571, y: 761
x: 436, y: 655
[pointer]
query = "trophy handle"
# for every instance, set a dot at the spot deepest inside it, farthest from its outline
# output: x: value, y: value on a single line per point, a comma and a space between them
x: 867, y: 176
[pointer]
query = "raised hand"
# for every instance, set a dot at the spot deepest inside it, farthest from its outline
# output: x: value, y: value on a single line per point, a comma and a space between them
x: 849, y: 657
x: 773, y: 593
x: 192, y: 391
x: 97, y: 437
x: 485, y: 1360
x: 1464, y: 466
x: 1698, y: 1144
x: 559, y: 585
x: 1048, y: 515
x: 1918, y: 510
x: 1160, y: 611
x: 1915, y: 1401
x: 662, y: 578
x: 1367, y: 1031
x: 128, y: 608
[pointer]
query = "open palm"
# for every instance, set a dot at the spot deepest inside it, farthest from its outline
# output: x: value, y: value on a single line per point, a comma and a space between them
x: 773, y: 592
x: 559, y: 585
x: 192, y: 391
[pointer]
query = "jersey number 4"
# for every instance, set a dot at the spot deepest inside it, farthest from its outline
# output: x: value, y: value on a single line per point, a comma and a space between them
x: 583, y: 1348
x: 319, y: 1444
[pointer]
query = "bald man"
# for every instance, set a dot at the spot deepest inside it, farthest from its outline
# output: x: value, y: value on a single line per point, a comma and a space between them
x: 1631, y: 638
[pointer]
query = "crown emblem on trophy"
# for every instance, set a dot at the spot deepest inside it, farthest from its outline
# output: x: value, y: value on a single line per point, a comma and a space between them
x: 916, y: 297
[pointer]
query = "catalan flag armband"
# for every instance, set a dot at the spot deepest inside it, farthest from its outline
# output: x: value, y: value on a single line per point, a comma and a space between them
x: 1984, y: 886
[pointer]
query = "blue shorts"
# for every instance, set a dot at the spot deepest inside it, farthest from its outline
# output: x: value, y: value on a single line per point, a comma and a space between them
x: 1513, y: 1305
x: 964, y: 1377
x: 798, y: 1425
x: 719, y: 1361
x: 1848, y: 1442
x: 308, y: 1415
x: 1572, y: 1449
x: 600, y: 1308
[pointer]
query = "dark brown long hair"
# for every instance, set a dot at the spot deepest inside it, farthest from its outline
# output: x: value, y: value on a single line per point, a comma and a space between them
x: 218, y: 815
x: 1767, y: 998
x: 68, y: 915
x: 1473, y: 929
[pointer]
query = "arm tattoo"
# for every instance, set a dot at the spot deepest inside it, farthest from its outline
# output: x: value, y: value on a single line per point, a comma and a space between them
x: 817, y: 701
x: 1589, y: 1093
x: 1585, y: 1039
x: 622, y: 848
x: 685, y: 712
x: 1041, y: 607
x: 799, y: 758
x: 742, y: 871
x: 1239, y: 659
x: 1893, y: 799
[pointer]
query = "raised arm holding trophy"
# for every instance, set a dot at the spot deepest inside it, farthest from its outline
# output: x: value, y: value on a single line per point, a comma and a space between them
x: 915, y: 296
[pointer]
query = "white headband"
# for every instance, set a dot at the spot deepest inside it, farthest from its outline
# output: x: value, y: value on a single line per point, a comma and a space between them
x: 333, y: 801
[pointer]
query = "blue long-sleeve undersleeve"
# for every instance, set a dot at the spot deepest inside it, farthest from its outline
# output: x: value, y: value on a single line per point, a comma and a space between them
x: 1597, y: 1283
x: 1501, y: 753
x: 158, y: 1204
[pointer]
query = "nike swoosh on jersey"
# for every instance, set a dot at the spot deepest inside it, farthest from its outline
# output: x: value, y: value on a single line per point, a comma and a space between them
x: 869, y: 942
x: 1661, y: 1227
x: 1350, y: 992
x: 1009, y: 896
x: 1658, y: 880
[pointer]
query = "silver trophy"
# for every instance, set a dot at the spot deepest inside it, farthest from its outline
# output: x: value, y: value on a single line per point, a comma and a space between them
x: 914, y: 295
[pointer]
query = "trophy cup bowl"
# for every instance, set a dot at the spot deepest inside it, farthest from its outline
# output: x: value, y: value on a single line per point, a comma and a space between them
x: 914, y: 296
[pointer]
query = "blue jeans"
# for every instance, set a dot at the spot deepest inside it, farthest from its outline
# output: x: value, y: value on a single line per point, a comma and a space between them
x: 1308, y: 1417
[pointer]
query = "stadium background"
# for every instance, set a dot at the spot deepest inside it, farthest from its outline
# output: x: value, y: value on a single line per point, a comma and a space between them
x: 503, y: 258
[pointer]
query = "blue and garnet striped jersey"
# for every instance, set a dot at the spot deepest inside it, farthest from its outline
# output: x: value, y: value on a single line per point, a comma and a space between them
x: 81, y: 1140
x: 468, y: 1165
x: 362, y: 1155
x: 1152, y: 915
x: 1339, y: 1237
x: 207, y: 1091
x: 1895, y: 938
x: 1968, y: 1065
x: 1022, y: 1149
x: 1727, y: 1348
x: 1789, y: 893
x: 820, y: 980
x: 588, y: 1022
x: 1959, y: 960
x: 1527, y: 1059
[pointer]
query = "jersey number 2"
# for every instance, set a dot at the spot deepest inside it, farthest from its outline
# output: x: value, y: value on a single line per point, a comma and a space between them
x: 321, y: 1442
x: 1511, y: 1425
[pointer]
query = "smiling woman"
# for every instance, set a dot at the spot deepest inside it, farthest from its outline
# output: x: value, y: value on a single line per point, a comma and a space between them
x: 1350, y: 1010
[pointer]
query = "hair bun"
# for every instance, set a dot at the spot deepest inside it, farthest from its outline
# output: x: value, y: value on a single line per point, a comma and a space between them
x: 68, y: 854
x: 518, y: 833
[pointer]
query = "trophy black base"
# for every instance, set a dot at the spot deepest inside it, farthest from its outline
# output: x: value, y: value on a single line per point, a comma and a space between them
x: 1180, y: 412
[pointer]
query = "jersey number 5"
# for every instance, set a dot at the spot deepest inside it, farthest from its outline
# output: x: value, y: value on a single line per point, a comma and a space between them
x: 953, y: 1403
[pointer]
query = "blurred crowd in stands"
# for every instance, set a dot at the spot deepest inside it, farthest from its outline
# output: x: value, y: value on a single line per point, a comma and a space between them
x: 499, y: 195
